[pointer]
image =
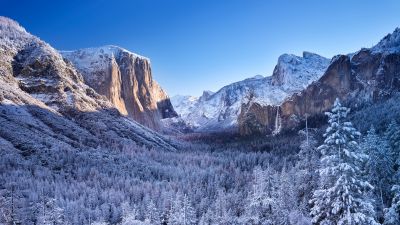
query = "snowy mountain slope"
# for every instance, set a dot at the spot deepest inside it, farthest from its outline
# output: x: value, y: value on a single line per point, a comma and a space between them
x: 184, y: 103
x: 38, y: 84
x: 389, y: 44
x: 295, y: 73
x: 220, y: 110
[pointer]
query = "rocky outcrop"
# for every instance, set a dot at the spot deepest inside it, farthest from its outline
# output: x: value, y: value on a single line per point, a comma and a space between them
x: 369, y: 75
x: 126, y: 80
x: 256, y: 118
x: 296, y: 73
x: 45, y: 103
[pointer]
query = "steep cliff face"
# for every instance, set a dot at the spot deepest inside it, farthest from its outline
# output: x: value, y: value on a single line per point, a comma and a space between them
x: 256, y: 118
x: 45, y: 103
x: 368, y: 75
x: 126, y: 80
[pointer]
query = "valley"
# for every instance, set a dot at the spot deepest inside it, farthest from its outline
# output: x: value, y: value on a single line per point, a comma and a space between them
x: 89, y: 137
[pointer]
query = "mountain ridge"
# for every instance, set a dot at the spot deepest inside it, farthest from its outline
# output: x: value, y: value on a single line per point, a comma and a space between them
x: 368, y: 75
x: 37, y: 82
x: 251, y: 114
x: 220, y: 110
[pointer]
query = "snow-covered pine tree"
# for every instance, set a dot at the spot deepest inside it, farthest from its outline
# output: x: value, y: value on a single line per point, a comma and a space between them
x: 182, y: 212
x: 342, y: 197
x: 206, y: 218
x: 221, y: 211
x: 306, y: 177
x: 152, y: 215
x: 259, y: 202
x: 392, y: 214
x: 188, y: 213
x: 175, y: 216
x: 393, y: 135
x: 285, y: 197
x: 129, y: 214
x: 379, y: 167
x: 7, y: 208
x: 51, y: 214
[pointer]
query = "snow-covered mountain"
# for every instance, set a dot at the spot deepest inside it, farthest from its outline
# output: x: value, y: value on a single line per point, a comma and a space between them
x: 220, y: 110
x: 46, y: 104
x: 367, y: 77
x: 389, y: 44
x: 184, y: 104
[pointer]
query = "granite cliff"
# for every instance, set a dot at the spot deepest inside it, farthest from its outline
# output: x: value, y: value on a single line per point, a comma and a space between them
x: 126, y: 80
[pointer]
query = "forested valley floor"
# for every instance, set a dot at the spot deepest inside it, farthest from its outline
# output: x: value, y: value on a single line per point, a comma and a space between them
x: 209, y: 180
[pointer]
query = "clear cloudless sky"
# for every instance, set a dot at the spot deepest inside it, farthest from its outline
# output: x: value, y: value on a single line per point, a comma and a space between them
x: 197, y: 45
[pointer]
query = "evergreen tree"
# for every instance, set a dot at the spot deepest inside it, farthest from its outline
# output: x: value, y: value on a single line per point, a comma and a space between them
x: 129, y: 214
x: 188, y: 213
x: 379, y: 167
x: 259, y: 202
x: 306, y: 178
x: 285, y: 198
x: 221, y: 212
x: 206, y: 218
x: 393, y: 135
x: 152, y: 215
x: 392, y: 214
x: 342, y: 197
x: 51, y: 214
x: 182, y: 212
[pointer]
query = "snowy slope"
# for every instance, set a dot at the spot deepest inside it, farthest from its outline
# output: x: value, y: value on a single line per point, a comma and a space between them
x: 294, y: 73
x: 389, y: 44
x: 221, y: 109
x: 44, y: 101
x: 184, y: 104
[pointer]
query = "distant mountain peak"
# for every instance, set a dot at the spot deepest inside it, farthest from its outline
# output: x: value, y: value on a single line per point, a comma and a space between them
x: 256, y: 77
x: 391, y: 42
x: 206, y: 95
x: 220, y: 110
x: 308, y: 55
x: 298, y: 72
x: 6, y: 22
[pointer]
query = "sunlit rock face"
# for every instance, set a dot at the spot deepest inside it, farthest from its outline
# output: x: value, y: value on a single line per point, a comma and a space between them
x: 126, y: 80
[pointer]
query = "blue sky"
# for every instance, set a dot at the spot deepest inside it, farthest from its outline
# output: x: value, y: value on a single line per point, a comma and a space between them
x: 206, y: 44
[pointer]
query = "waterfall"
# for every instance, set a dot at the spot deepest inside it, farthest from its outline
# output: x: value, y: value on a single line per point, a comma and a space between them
x: 278, y: 122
